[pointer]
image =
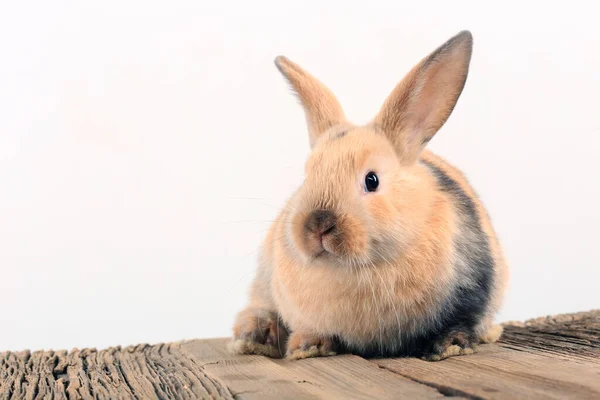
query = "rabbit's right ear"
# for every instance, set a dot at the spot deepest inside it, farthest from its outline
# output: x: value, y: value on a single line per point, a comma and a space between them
x: 423, y: 101
x: 321, y: 107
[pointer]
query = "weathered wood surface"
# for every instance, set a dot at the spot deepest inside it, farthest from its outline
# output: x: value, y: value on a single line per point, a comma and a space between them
x: 547, y: 358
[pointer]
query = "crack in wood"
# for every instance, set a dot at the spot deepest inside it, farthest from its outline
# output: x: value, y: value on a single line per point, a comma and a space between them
x: 446, y: 391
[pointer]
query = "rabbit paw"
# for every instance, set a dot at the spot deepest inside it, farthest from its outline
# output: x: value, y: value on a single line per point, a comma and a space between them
x: 305, y: 345
x: 258, y: 332
x: 456, y: 343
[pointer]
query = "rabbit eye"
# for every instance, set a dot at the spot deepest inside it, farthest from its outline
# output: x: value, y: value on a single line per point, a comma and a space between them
x: 371, y: 182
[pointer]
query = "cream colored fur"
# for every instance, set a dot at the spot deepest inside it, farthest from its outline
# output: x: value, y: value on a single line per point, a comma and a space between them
x: 392, y: 268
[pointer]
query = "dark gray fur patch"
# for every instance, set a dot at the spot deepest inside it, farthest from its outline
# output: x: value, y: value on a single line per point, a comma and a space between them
x: 470, y: 300
x: 471, y: 297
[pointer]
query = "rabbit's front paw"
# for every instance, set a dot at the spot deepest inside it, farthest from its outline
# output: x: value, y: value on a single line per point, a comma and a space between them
x: 258, y: 332
x: 306, y: 345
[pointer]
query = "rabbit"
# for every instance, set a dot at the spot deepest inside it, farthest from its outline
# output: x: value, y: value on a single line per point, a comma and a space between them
x: 385, y: 249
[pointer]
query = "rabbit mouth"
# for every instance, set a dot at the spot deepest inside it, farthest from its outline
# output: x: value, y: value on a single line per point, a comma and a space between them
x: 321, y: 254
x: 324, y: 248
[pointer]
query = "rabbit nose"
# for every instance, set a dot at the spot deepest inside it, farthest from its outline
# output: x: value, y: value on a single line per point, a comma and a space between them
x: 320, y: 223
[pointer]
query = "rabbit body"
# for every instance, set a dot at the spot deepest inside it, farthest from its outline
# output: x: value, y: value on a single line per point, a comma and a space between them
x: 385, y: 249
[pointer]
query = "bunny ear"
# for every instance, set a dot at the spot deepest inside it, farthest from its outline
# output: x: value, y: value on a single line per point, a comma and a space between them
x: 321, y: 107
x: 422, y: 102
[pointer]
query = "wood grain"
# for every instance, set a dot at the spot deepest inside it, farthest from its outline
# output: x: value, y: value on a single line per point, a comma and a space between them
x: 570, y: 336
x: 498, y: 373
x: 346, y: 376
x: 556, y: 357
x: 547, y: 358
x: 139, y: 372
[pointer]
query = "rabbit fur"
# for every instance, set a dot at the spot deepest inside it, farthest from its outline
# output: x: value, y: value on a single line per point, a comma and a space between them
x: 412, y: 268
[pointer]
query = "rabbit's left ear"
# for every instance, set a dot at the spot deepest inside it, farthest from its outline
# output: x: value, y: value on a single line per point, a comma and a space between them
x: 321, y: 107
x: 422, y: 102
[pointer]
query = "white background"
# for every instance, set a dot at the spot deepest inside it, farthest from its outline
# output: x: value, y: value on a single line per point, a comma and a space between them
x: 145, y: 146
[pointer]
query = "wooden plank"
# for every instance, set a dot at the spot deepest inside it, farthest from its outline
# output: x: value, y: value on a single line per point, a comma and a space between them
x: 339, y: 377
x: 549, y: 358
x: 138, y: 372
x: 570, y: 336
x: 498, y: 373
x: 247, y: 377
